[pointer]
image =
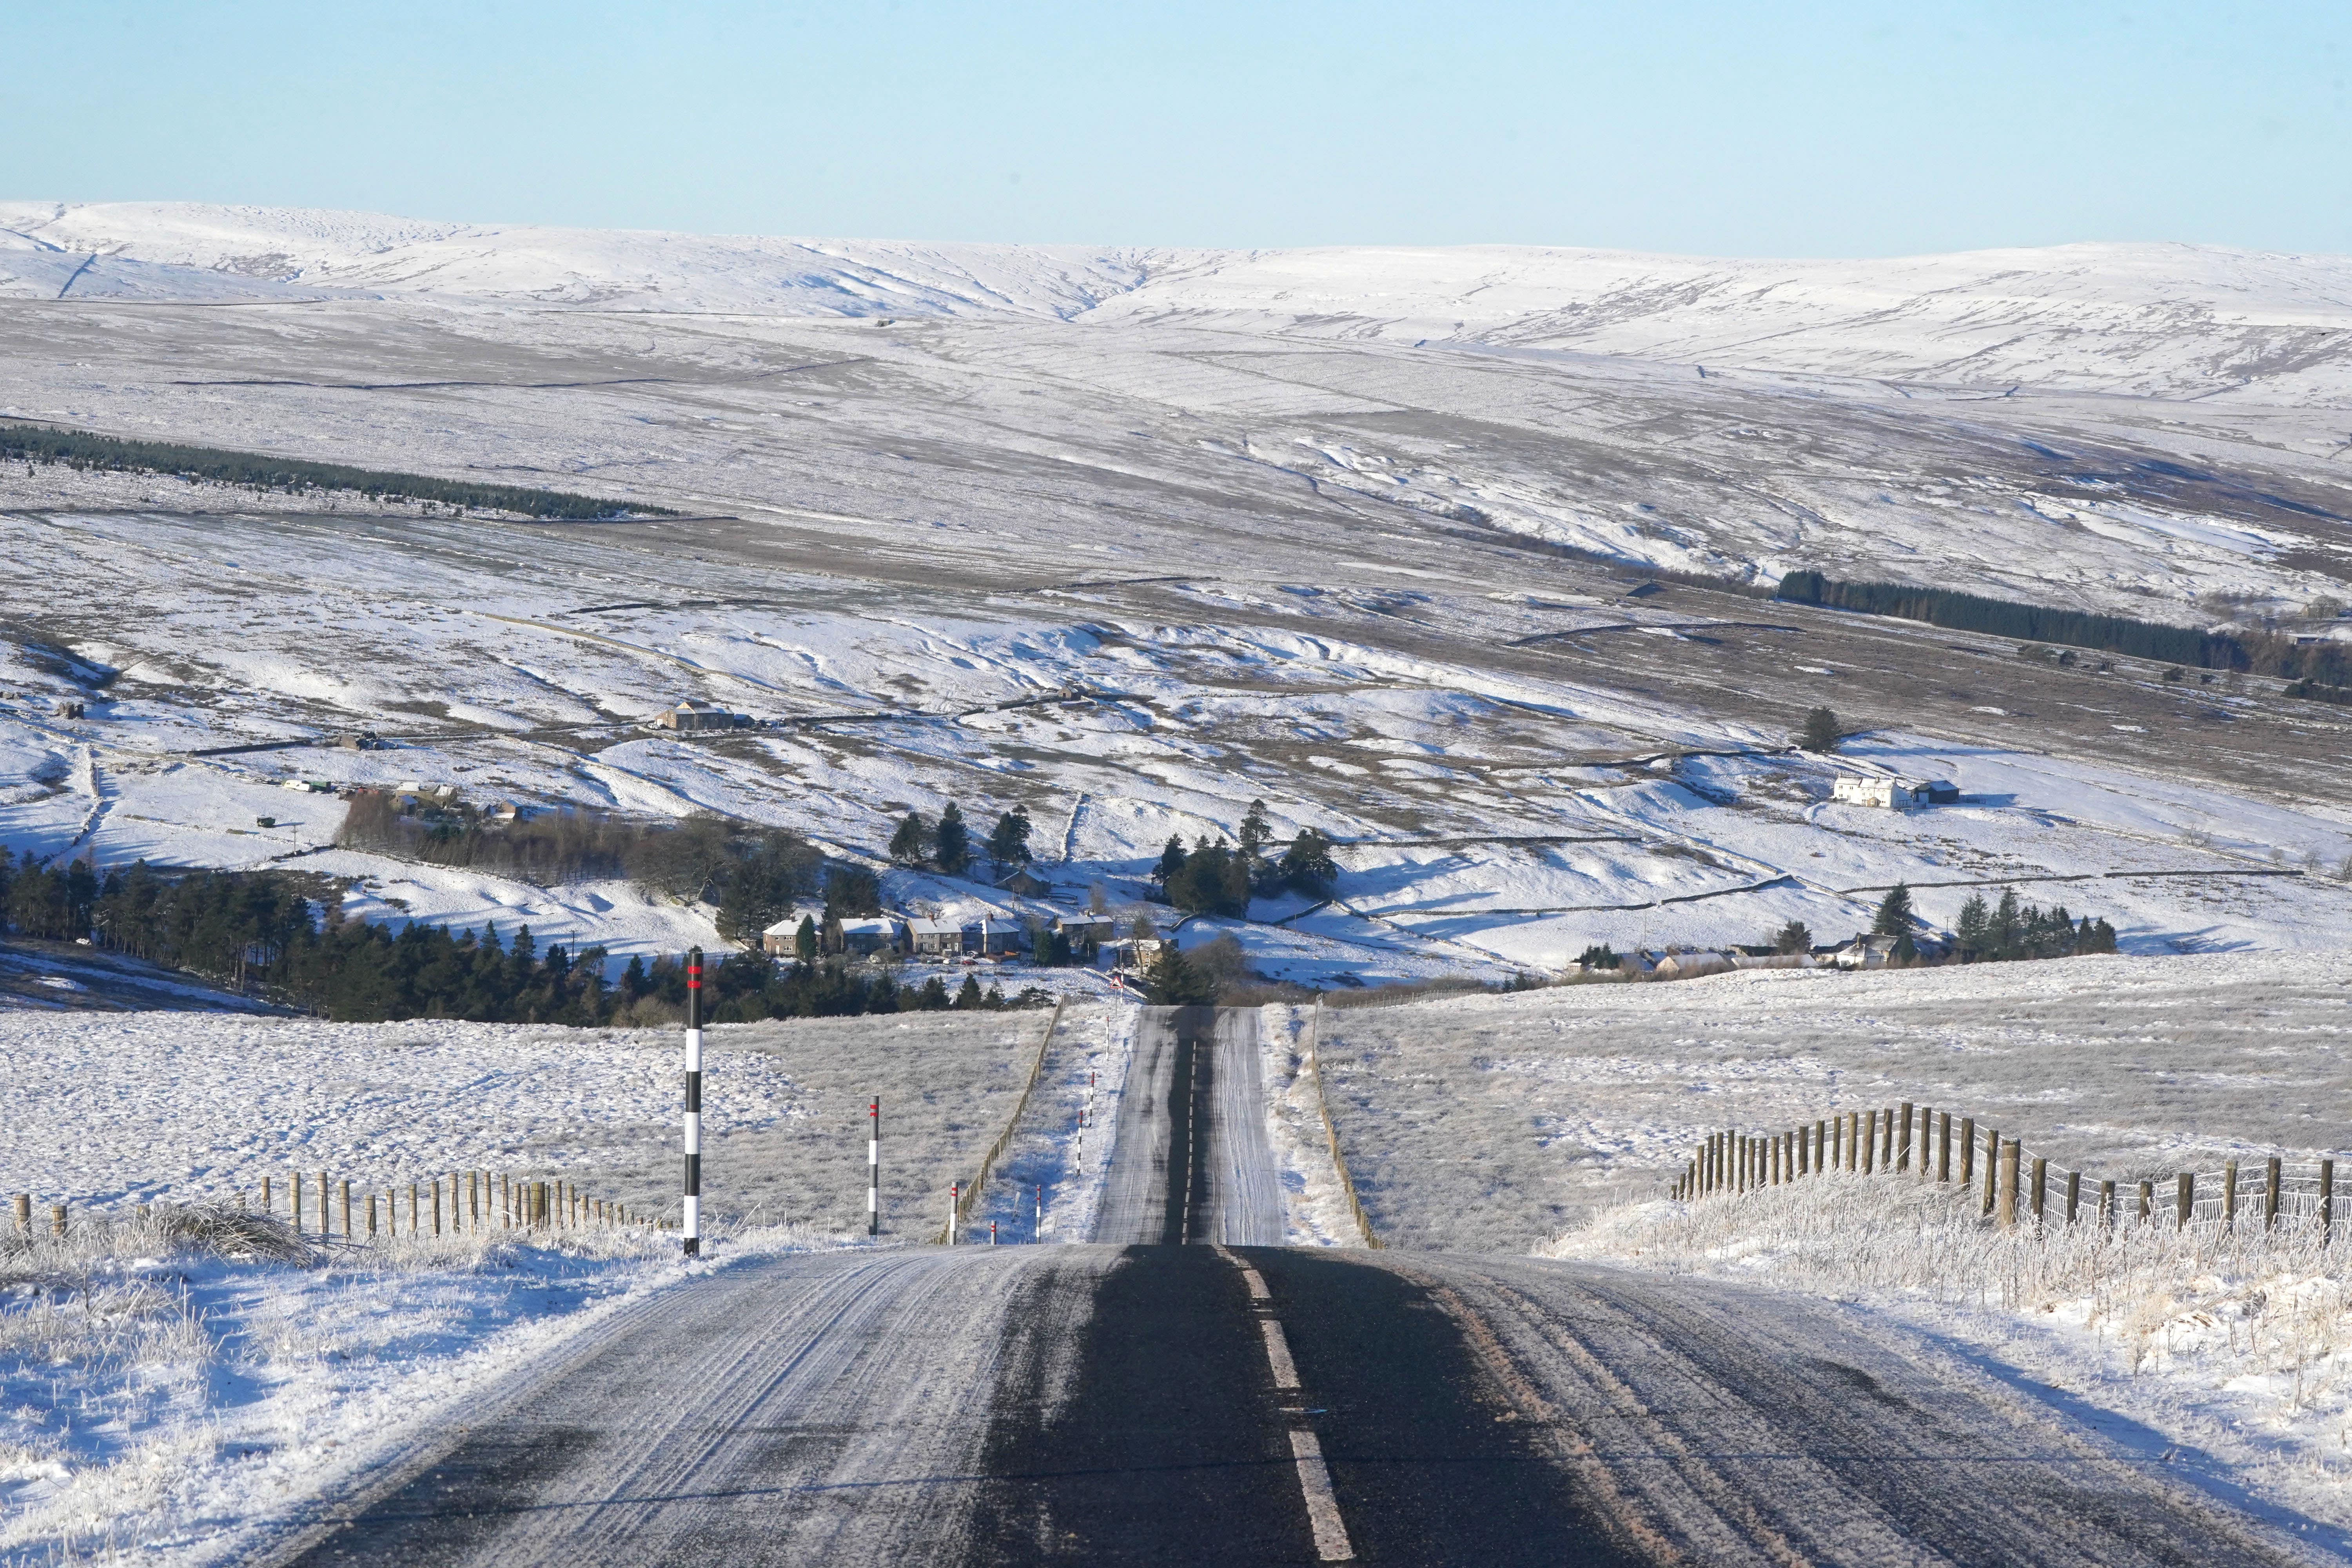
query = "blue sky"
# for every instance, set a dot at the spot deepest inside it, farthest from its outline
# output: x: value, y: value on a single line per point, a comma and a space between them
x: 1750, y: 130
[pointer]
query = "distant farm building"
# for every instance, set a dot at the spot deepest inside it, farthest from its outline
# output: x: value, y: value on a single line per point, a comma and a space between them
x: 697, y: 715
x: 993, y: 938
x: 1893, y: 794
x: 1081, y: 930
x: 778, y: 939
x: 867, y: 937
x: 1026, y: 883
x: 357, y: 741
x: 929, y: 938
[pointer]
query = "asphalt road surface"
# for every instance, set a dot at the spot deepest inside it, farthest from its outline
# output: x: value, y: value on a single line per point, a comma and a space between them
x: 1184, y: 1395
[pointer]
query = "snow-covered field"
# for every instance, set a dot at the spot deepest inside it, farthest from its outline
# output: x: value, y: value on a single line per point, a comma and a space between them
x: 110, y: 1110
x: 157, y: 1397
x: 1493, y: 1123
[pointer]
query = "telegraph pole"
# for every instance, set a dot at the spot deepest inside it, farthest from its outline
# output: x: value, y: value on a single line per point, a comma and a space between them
x: 874, y: 1171
x: 693, y: 1101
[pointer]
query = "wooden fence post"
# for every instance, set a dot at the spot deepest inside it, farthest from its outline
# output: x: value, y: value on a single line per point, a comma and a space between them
x: 1821, y: 1145
x: 2074, y: 1195
x: 265, y: 1195
x: 1943, y: 1146
x: 2187, y: 1198
x: 2271, y: 1194
x: 2107, y: 1205
x: 23, y: 1213
x: 57, y: 1219
x: 346, y: 1209
x: 2147, y: 1203
x: 295, y: 1208
x: 416, y: 1212
x: 2230, y: 1192
x: 2326, y: 1200
x: 371, y: 1216
x: 1903, y: 1154
x: 1870, y: 1146
x: 1993, y: 1169
x: 2041, y: 1187
x: 2009, y: 1153
x: 1967, y: 1152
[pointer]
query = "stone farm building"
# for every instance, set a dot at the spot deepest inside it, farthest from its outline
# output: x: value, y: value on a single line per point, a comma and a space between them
x: 697, y: 715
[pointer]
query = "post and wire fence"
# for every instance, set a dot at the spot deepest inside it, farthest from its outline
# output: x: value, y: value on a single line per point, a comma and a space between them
x: 2011, y: 1184
x: 321, y: 1207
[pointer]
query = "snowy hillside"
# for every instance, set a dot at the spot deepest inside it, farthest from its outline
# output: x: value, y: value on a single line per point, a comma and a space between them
x: 2147, y: 319
x: 612, y: 268
x: 1230, y: 526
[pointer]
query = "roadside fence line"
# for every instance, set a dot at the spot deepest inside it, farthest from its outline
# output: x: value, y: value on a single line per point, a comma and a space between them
x: 1919, y: 1142
x: 1331, y: 1130
x: 478, y: 1202
x: 959, y: 1210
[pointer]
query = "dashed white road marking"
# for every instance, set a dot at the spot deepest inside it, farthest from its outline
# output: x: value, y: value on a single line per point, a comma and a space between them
x: 1277, y: 1354
x: 1331, y: 1542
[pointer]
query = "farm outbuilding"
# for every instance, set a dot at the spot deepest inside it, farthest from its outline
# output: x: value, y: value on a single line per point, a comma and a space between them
x: 693, y: 714
x: 1891, y: 793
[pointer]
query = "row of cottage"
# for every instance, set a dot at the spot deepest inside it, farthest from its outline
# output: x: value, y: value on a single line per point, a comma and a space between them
x: 924, y: 936
x: 1688, y: 963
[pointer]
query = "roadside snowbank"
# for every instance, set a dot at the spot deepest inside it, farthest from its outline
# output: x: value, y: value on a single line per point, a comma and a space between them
x: 162, y: 1396
x: 1314, y: 1205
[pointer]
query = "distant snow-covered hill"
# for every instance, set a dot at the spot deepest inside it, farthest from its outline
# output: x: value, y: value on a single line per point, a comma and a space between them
x: 612, y: 268
x: 2154, y: 319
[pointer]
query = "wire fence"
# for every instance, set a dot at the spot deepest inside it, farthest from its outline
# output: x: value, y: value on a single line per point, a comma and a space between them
x: 968, y: 1197
x: 1926, y: 1145
x: 316, y: 1205
x: 1331, y: 1131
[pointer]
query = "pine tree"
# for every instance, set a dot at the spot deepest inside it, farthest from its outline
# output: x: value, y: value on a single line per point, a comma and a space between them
x: 1794, y: 937
x: 1008, y: 844
x: 1306, y: 866
x: 1975, y: 928
x: 911, y: 845
x: 951, y: 842
x: 805, y: 940
x: 2005, y: 936
x: 1894, y: 913
x: 1173, y: 982
x: 1172, y: 860
x: 969, y: 998
x: 1256, y: 834
x: 1820, y: 733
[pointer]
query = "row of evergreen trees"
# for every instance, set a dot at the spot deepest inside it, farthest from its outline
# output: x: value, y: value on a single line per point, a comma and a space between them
x: 946, y: 844
x: 1989, y: 934
x: 262, y: 928
x: 81, y: 449
x: 2258, y: 653
x: 1214, y: 878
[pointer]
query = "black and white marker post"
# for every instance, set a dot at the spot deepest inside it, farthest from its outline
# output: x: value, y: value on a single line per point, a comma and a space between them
x: 693, y: 1101
x: 873, y: 1169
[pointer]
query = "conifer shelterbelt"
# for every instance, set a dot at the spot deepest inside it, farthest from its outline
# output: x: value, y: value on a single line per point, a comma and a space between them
x: 261, y: 932
x: 257, y: 470
x: 2008, y: 931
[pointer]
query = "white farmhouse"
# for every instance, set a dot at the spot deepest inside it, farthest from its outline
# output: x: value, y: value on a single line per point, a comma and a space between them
x: 1892, y: 793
